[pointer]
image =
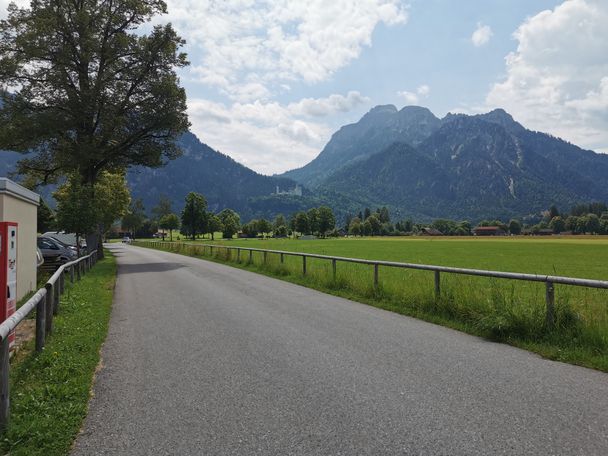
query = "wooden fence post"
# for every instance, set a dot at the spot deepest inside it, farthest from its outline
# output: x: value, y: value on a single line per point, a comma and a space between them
x: 49, y: 308
x: 282, y: 258
x: 4, y: 385
x: 251, y: 256
x: 303, y: 264
x: 238, y: 255
x: 550, y: 300
x: 265, y: 256
x: 40, y: 324
x: 333, y: 267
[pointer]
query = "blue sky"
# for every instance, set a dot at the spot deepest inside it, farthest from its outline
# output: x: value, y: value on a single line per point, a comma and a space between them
x: 270, y: 81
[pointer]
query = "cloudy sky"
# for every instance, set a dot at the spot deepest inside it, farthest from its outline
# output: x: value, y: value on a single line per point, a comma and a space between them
x: 270, y: 81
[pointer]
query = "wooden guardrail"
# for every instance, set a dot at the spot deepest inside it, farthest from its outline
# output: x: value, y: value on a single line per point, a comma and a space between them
x: 46, y: 302
x: 550, y: 281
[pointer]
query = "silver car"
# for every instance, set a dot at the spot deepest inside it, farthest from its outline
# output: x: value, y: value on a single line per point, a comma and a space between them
x: 54, y: 252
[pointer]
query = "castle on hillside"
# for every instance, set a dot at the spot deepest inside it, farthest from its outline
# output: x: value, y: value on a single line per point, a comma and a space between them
x: 297, y: 191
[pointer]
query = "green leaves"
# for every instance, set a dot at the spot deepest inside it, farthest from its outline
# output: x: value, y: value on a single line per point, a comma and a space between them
x: 88, y: 93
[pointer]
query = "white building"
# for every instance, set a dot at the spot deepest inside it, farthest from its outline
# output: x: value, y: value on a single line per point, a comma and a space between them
x: 18, y: 204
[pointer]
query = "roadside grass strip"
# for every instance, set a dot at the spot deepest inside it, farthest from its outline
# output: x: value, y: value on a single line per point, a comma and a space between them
x: 50, y: 391
x: 506, y: 311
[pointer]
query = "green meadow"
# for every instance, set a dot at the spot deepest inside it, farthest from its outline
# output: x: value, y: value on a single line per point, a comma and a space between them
x: 502, y: 310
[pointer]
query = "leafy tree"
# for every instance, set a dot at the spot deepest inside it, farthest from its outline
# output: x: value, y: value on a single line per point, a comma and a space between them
x: 111, y: 199
x: 93, y: 92
x: 514, y: 227
x: 553, y: 212
x: 280, y: 231
x: 383, y: 215
x: 375, y: 224
x: 557, y: 224
x: 592, y: 224
x: 251, y: 228
x: 366, y: 228
x: 45, y: 217
x: 604, y: 225
x: 572, y: 224
x: 169, y: 222
x: 313, y: 220
x: 231, y: 223
x: 264, y: 227
x: 355, y: 227
x: 326, y: 220
x: 279, y: 221
x: 301, y: 223
x: 194, y: 215
x: 215, y: 225
x: 162, y: 208
x: 76, y: 212
x: 134, y: 219
x: 366, y: 213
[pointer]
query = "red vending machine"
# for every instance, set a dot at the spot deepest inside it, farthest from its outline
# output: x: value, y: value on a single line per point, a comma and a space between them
x: 8, y: 272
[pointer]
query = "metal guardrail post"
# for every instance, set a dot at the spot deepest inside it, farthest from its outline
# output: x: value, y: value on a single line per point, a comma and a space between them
x: 62, y: 282
x: 72, y: 273
x: 333, y: 267
x: 78, y: 272
x: 55, y: 298
x: 437, y: 284
x: 4, y: 385
x: 303, y: 264
x: 49, y: 308
x: 376, y: 275
x: 40, y: 324
x: 550, y: 300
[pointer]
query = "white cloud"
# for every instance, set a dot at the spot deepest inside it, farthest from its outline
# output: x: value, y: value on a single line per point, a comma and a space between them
x: 557, y: 79
x: 481, y: 35
x: 265, y: 135
x: 421, y: 92
x: 277, y: 40
x: 319, y: 107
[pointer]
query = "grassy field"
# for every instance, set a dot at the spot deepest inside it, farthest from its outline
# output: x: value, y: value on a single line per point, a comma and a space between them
x: 50, y: 390
x: 509, y: 311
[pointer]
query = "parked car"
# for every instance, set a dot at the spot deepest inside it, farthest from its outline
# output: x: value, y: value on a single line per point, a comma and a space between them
x: 67, y: 238
x: 126, y: 240
x: 39, y: 258
x: 54, y: 253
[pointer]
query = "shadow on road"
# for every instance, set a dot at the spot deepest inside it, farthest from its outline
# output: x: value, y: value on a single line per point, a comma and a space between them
x: 148, y: 267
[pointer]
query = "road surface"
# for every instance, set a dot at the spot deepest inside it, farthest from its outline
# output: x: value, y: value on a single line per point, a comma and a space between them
x: 205, y: 359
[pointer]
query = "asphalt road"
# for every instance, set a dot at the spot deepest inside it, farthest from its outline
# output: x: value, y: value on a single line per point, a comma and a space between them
x: 204, y: 359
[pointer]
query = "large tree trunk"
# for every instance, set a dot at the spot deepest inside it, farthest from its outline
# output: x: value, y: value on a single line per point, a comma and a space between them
x: 95, y: 242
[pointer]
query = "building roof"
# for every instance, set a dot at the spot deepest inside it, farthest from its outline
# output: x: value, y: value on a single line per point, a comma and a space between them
x: 8, y: 187
x: 487, y: 228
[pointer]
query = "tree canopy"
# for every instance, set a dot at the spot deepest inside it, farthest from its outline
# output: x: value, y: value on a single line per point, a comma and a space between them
x: 87, y: 90
x: 194, y: 215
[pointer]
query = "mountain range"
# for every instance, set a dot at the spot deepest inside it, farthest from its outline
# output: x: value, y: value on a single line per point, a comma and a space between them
x: 461, y: 166
x: 418, y: 165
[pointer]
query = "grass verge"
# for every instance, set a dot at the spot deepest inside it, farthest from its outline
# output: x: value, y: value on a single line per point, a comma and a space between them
x: 50, y: 390
x: 503, y: 311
